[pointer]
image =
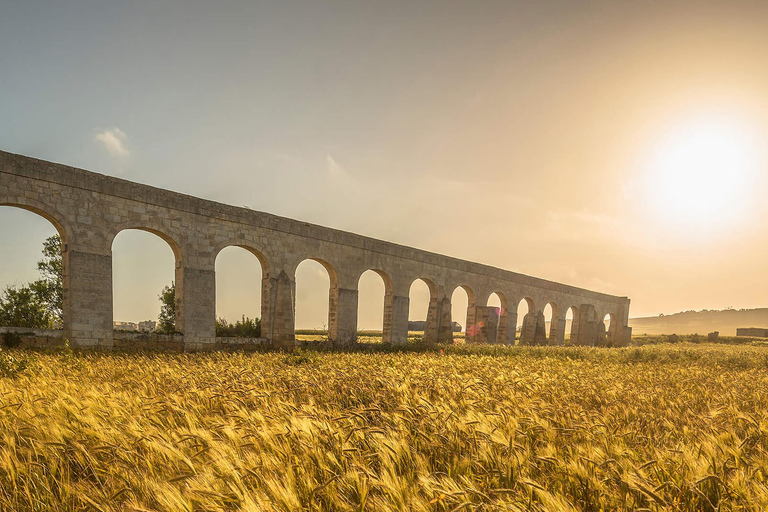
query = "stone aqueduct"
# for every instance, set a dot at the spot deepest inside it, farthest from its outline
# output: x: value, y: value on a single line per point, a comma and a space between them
x: 90, y: 209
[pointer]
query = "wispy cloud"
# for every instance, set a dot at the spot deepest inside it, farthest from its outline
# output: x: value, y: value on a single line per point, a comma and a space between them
x: 334, y: 169
x: 114, y: 141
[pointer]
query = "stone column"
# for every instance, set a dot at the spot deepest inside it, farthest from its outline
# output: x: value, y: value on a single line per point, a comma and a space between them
x: 278, y: 310
x: 510, y: 327
x: 559, y: 335
x: 587, y: 333
x: 87, y: 300
x: 540, y: 332
x: 396, y: 319
x: 196, y: 306
x: 433, y: 322
x: 529, y: 329
x: 485, y: 327
x: 445, y: 323
x: 342, y: 315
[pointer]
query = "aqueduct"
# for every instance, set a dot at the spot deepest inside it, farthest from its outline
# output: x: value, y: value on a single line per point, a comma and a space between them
x: 90, y: 209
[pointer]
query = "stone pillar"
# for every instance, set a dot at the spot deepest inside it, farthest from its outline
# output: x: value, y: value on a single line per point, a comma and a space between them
x: 529, y: 329
x: 196, y: 306
x: 559, y: 335
x: 278, y: 310
x: 602, y: 337
x: 623, y: 333
x: 396, y: 319
x: 433, y: 322
x: 87, y: 299
x: 510, y: 329
x: 342, y: 315
x: 587, y: 325
x: 540, y: 332
x: 445, y: 323
x: 485, y: 327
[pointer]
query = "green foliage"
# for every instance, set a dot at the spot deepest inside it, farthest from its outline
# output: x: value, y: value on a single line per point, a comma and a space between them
x: 299, y: 356
x: 22, y: 307
x: 244, y: 328
x: 50, y: 288
x: 38, y: 304
x: 166, y: 321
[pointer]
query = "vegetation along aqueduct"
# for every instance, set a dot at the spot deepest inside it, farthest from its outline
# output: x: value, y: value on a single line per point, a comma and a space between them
x: 90, y: 209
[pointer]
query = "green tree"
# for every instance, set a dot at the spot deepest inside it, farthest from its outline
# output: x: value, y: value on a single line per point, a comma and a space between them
x: 39, y: 304
x: 166, y: 321
x: 50, y: 288
x: 21, y: 307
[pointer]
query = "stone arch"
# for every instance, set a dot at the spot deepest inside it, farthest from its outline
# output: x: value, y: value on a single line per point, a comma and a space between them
x: 468, y: 318
x: 573, y: 328
x: 151, y: 272
x: 556, y: 332
x: 170, y: 240
x: 386, y: 300
x: 262, y: 285
x: 500, y: 316
x: 609, y: 329
x: 297, y: 290
x: 429, y: 321
x: 43, y: 212
x: 526, y: 315
x: 49, y: 221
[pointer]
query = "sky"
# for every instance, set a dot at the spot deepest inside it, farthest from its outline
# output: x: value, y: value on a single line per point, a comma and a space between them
x: 617, y: 146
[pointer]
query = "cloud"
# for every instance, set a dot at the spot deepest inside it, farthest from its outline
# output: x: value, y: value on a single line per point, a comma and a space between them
x: 334, y: 169
x: 114, y: 140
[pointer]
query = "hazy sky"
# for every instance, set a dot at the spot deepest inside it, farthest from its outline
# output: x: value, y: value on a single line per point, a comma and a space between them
x: 618, y: 146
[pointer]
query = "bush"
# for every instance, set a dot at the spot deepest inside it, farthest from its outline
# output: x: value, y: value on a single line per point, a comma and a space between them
x: 244, y: 328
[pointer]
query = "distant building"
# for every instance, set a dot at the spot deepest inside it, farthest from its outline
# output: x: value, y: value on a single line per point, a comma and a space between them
x: 753, y: 332
x: 420, y: 325
x: 147, y: 326
x: 125, y: 326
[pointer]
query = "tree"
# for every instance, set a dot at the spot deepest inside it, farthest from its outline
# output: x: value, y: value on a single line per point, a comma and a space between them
x: 50, y: 288
x: 166, y: 321
x: 21, y: 307
x: 39, y: 304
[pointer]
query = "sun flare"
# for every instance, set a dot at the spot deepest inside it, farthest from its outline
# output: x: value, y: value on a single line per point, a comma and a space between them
x: 703, y: 175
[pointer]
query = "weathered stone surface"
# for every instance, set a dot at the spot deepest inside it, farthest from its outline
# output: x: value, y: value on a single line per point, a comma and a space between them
x: 90, y: 209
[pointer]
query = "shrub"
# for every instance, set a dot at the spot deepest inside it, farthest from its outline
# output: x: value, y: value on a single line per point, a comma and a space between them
x: 244, y: 328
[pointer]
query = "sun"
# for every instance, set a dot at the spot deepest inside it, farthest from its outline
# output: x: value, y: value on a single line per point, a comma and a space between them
x: 703, y: 175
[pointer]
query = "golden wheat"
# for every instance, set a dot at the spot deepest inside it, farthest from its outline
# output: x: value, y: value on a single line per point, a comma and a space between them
x: 474, y: 428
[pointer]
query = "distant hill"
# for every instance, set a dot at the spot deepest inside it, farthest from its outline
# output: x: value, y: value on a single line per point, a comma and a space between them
x: 701, y: 322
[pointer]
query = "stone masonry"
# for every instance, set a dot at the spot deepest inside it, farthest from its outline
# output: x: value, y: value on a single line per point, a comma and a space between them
x: 90, y: 209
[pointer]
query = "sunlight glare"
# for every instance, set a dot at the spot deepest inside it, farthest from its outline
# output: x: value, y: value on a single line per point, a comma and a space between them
x: 703, y: 175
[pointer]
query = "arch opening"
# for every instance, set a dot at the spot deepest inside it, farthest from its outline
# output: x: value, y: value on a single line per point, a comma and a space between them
x: 373, y: 288
x: 552, y: 323
x: 32, y: 287
x: 239, y: 287
x: 144, y: 282
x: 462, y: 300
x: 422, y: 309
x: 313, y: 282
x: 525, y: 310
x: 571, y: 324
x: 499, y: 302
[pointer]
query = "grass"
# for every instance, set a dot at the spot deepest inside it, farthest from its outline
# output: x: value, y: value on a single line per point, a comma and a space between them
x: 656, y: 427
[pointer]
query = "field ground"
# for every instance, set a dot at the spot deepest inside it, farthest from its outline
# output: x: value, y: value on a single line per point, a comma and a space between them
x: 658, y: 427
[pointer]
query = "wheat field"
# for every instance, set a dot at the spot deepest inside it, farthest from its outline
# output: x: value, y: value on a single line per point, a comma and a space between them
x: 681, y: 427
